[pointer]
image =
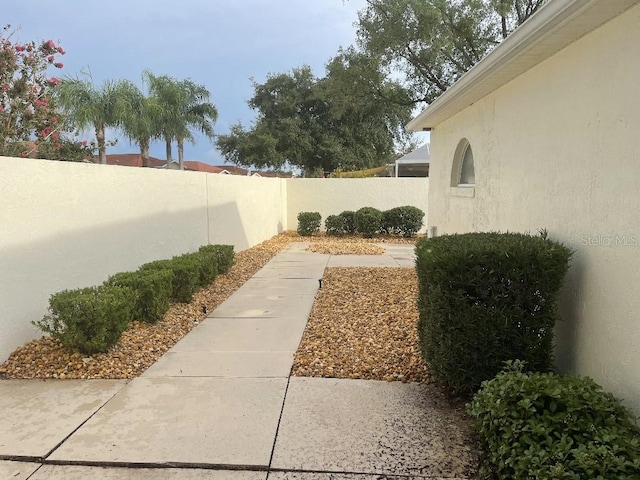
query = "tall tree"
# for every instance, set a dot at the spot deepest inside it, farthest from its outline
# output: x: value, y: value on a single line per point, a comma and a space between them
x: 432, y: 43
x: 197, y: 113
x: 141, y: 121
x: 185, y: 106
x: 318, y: 124
x: 91, y: 107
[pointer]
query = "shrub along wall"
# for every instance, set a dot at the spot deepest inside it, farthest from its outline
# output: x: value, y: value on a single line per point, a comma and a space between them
x: 485, y: 298
x: 91, y: 320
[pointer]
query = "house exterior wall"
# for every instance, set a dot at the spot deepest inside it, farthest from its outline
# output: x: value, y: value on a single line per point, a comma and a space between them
x: 559, y: 148
x: 69, y: 225
x: 331, y: 196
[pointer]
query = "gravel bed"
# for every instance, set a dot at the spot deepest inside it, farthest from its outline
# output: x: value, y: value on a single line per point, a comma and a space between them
x: 363, y: 325
x: 142, y: 343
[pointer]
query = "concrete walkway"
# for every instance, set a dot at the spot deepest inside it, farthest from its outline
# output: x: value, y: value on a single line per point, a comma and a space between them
x: 221, y: 404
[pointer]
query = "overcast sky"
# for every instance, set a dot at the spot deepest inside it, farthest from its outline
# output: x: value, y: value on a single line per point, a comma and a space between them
x: 219, y: 43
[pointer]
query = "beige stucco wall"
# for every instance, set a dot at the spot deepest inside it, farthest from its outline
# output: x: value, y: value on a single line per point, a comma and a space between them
x: 68, y: 225
x: 331, y: 196
x: 559, y: 148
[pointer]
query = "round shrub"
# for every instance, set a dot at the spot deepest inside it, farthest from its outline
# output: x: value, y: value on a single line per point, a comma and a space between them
x: 349, y: 221
x: 485, y: 298
x: 334, y: 225
x: 308, y: 223
x: 152, y: 290
x: 88, y: 320
x: 368, y: 221
x: 405, y: 221
x: 546, y: 426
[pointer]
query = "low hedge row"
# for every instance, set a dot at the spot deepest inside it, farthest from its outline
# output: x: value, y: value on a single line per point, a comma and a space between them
x: 549, y: 427
x: 367, y: 221
x: 91, y: 320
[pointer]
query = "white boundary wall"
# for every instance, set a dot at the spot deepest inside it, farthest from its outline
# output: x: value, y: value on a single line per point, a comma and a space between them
x: 69, y: 225
x: 331, y: 196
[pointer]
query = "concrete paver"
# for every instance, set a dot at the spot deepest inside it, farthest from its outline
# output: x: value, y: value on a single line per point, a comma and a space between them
x: 261, y: 306
x: 214, y: 400
x: 301, y: 286
x: 338, y: 425
x: 17, y: 470
x: 216, y: 421
x: 243, y: 334
x: 75, y: 472
x: 222, y: 364
x: 39, y: 414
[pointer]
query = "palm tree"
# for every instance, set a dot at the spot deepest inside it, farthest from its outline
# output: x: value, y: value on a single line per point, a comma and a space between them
x: 141, y: 119
x: 185, y: 106
x: 197, y: 113
x: 88, y: 107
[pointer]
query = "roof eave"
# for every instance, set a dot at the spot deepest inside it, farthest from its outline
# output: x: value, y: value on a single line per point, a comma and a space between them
x: 556, y: 25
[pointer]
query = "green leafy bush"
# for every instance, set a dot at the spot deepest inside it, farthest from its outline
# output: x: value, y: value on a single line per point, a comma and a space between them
x: 335, y: 225
x: 88, y: 320
x: 224, y: 253
x: 349, y: 219
x: 368, y: 221
x: 308, y: 223
x: 405, y: 221
x: 152, y: 290
x: 549, y: 427
x: 207, y: 266
x: 485, y: 298
x: 186, y: 275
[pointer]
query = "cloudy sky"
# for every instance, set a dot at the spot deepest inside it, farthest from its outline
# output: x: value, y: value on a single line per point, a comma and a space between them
x: 219, y: 43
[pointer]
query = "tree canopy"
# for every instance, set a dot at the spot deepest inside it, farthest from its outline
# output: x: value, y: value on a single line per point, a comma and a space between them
x: 320, y: 124
x: 432, y: 43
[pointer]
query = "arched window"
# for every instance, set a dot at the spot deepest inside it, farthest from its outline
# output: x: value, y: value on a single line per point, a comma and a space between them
x: 463, y: 171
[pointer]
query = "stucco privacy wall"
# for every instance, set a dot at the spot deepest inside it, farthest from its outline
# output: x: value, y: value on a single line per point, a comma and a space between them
x: 330, y: 196
x: 559, y: 148
x: 68, y: 225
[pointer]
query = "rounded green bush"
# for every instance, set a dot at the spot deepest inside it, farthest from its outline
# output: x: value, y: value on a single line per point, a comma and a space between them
x: 152, y: 290
x: 334, y: 225
x: 349, y: 221
x: 546, y: 426
x: 308, y: 223
x: 405, y: 221
x: 368, y: 221
x: 88, y: 320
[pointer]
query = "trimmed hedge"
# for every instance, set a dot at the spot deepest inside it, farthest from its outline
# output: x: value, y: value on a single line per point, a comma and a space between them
x: 546, y: 426
x: 224, y: 254
x: 186, y: 275
x: 405, y: 221
x: 88, y: 320
x: 485, y: 298
x: 349, y: 221
x: 368, y: 221
x: 308, y: 223
x: 152, y: 290
x: 335, y: 225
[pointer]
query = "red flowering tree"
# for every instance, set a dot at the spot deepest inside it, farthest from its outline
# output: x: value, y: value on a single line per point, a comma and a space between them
x: 30, y: 123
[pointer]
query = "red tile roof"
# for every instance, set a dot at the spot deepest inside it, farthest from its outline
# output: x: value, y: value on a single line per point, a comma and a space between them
x: 132, y: 160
